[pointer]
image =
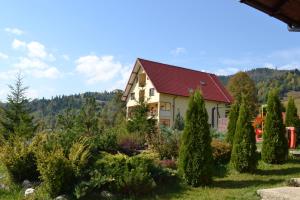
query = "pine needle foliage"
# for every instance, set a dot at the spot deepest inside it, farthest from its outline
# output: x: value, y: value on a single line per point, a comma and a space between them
x: 275, y: 145
x: 243, y: 156
x: 16, y: 118
x: 233, y: 117
x: 195, y: 160
x: 291, y: 117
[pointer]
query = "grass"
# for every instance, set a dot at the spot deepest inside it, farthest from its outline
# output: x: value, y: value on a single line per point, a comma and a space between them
x: 227, y: 184
x: 234, y: 185
x: 15, y: 192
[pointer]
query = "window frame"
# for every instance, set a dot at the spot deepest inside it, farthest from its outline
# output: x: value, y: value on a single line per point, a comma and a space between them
x: 151, y: 92
x: 132, y: 96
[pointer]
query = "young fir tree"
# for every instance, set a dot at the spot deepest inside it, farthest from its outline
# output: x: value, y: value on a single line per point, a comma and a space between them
x: 243, y: 156
x: 179, y: 122
x: 16, y: 119
x: 233, y: 117
x: 195, y: 159
x: 291, y: 117
x: 275, y: 145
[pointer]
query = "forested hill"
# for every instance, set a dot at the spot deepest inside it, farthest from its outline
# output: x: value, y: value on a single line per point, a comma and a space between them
x: 265, y: 79
x: 48, y: 109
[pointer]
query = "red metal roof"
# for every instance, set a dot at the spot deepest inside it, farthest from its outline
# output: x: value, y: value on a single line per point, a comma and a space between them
x: 180, y: 81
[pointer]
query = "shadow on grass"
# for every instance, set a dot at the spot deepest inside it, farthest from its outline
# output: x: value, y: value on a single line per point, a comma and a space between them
x: 278, y: 172
x: 169, y: 189
x: 283, y: 171
x: 237, y: 184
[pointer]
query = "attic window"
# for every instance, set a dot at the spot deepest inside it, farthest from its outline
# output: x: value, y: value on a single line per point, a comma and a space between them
x: 203, y: 83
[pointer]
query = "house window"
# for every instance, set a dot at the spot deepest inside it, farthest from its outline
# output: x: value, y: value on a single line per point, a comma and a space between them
x: 165, y: 106
x: 151, y: 92
x: 132, y: 96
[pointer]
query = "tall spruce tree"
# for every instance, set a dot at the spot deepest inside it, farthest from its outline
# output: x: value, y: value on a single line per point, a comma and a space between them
x: 243, y: 156
x: 291, y: 117
x: 195, y: 160
x: 275, y: 145
x: 16, y: 119
x: 233, y: 117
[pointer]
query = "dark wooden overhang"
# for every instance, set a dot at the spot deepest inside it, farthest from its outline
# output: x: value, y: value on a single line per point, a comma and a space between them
x: 287, y: 11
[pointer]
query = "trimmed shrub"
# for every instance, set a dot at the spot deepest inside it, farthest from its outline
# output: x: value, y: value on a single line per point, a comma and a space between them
x: 291, y: 117
x: 233, y: 117
x: 195, y: 160
x: 19, y: 160
x: 107, y: 141
x: 275, y: 145
x: 79, y: 156
x: 56, y: 171
x: 221, y: 151
x: 243, y: 156
x: 120, y: 174
x: 167, y: 142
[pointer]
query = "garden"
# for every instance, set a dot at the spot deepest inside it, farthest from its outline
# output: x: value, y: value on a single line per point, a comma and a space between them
x: 87, y: 156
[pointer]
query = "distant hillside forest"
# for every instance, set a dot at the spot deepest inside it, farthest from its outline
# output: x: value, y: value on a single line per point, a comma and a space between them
x: 265, y: 79
x: 46, y: 111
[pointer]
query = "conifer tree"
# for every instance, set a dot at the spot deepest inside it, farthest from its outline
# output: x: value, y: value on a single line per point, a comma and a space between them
x: 16, y: 119
x: 275, y: 146
x: 243, y: 156
x: 291, y: 117
x: 233, y: 117
x: 195, y: 160
x: 179, y: 122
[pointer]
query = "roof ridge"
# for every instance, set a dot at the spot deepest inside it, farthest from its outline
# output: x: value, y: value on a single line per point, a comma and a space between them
x: 168, y: 65
x: 217, y: 85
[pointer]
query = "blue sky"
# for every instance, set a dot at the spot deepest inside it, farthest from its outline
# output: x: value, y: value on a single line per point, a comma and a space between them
x: 66, y: 47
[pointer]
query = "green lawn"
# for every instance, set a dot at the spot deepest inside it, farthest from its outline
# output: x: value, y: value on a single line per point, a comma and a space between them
x: 234, y: 185
x: 15, y: 192
x: 228, y: 185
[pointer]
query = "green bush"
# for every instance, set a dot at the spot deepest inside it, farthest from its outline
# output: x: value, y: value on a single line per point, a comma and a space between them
x: 106, y: 141
x: 217, y: 134
x: 275, y: 145
x: 221, y: 151
x: 233, y: 117
x: 79, y: 156
x: 243, y: 155
x: 167, y: 143
x: 120, y: 174
x: 19, y: 159
x: 195, y: 159
x: 56, y: 171
x: 129, y: 143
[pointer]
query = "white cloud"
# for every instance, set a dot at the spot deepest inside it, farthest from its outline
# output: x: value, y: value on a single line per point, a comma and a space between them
x: 51, y: 72
x: 3, y: 56
x: 124, y: 76
x: 14, y: 31
x: 98, y: 69
x: 37, y: 68
x: 226, y: 71
x: 36, y: 49
x: 32, y: 93
x: 177, y: 51
x: 31, y: 63
x: 66, y: 57
x: 16, y: 44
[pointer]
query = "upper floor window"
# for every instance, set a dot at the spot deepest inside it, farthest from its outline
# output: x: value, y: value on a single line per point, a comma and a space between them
x: 151, y: 92
x: 165, y: 106
x: 132, y: 96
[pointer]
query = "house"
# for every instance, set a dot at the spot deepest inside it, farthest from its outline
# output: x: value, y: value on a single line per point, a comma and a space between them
x: 166, y: 88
